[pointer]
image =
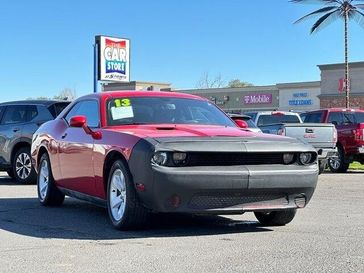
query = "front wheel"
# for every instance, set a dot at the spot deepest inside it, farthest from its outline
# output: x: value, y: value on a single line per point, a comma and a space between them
x: 125, y: 210
x: 48, y: 193
x: 275, y: 218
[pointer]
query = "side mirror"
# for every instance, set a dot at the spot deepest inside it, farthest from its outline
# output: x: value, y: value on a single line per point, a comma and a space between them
x: 334, y: 122
x: 78, y: 121
x: 241, y: 123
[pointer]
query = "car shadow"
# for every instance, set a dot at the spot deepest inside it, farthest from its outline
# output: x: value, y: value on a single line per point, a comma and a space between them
x: 8, y: 181
x: 83, y: 221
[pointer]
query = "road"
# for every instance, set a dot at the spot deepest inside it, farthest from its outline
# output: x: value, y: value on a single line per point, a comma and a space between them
x: 327, y: 236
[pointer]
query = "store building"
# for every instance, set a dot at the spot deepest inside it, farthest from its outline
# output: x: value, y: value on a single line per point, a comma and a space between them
x: 236, y: 100
x: 333, y: 85
x: 301, y: 96
x: 137, y: 85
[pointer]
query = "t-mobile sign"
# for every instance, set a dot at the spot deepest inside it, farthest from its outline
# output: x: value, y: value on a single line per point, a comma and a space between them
x: 264, y: 98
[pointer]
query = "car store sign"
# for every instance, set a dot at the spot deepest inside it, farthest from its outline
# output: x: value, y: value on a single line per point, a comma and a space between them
x: 264, y: 98
x: 113, y: 59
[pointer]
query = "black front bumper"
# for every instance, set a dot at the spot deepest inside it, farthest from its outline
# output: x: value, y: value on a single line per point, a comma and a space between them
x: 229, y: 189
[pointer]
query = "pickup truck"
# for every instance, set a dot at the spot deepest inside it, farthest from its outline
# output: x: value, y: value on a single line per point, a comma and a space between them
x: 321, y: 136
x: 349, y: 124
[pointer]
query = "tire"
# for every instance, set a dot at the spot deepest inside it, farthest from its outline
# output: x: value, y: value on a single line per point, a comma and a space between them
x: 124, y: 208
x: 10, y: 173
x: 48, y: 193
x: 23, y: 170
x: 275, y: 218
x: 340, y: 164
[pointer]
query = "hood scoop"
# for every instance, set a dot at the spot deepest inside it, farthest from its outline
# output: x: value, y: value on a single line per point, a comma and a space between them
x: 165, y: 128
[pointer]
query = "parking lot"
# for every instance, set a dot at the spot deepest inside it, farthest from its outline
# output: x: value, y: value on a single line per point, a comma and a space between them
x: 327, y: 236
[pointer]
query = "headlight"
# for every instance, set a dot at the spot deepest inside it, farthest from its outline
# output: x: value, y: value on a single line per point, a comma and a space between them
x: 160, y: 158
x: 288, y: 158
x: 305, y: 158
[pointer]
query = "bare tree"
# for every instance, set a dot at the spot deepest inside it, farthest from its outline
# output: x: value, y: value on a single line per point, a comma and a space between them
x: 66, y: 94
x: 206, y: 81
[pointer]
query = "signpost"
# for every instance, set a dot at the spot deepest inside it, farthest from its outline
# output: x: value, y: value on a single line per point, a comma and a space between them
x: 111, y: 60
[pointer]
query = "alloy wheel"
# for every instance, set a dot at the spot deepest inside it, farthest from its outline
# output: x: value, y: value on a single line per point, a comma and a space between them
x: 117, y: 195
x: 23, y: 166
x: 335, y: 163
x: 43, y: 180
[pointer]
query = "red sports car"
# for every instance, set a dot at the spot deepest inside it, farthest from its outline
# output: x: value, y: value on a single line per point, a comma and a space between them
x: 137, y: 153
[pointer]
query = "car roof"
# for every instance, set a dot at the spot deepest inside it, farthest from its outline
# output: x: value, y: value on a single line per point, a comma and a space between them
x: 33, y: 102
x: 239, y: 116
x: 277, y: 111
x: 337, y: 110
x: 134, y: 93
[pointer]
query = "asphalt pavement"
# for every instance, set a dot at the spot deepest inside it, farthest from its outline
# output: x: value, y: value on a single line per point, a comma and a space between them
x: 327, y: 236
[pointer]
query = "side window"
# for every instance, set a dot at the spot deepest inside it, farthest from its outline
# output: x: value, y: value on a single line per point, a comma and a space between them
x: 313, y: 117
x: 43, y: 113
x: 89, y: 109
x: 15, y: 114
x: 359, y: 117
x: 32, y: 112
x: 336, y: 118
x: 349, y: 118
x: 2, y: 109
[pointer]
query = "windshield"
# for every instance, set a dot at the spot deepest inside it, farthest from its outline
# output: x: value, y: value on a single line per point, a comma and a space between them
x: 274, y: 119
x: 164, y: 110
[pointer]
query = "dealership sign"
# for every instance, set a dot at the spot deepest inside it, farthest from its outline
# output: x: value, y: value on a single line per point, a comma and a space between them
x: 113, y: 59
x: 265, y: 98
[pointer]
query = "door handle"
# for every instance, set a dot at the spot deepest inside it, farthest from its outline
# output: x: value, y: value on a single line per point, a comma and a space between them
x: 16, y: 130
x: 64, y: 136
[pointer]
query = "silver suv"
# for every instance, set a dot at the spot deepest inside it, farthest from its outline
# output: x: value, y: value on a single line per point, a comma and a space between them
x: 18, y: 121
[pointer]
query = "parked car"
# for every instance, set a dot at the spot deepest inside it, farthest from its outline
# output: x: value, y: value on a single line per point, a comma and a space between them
x: 321, y: 136
x: 18, y: 121
x: 142, y: 152
x: 350, y: 127
x: 249, y: 124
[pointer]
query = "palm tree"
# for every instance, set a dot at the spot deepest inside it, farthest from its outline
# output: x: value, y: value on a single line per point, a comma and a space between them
x: 332, y: 10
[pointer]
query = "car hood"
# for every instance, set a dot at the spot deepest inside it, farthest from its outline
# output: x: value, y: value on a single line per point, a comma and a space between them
x: 181, y: 130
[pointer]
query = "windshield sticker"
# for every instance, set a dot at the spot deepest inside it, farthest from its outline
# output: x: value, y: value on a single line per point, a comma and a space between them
x: 122, y: 112
x: 122, y: 102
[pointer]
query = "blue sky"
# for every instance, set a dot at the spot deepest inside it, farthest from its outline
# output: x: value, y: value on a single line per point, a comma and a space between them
x: 47, y: 45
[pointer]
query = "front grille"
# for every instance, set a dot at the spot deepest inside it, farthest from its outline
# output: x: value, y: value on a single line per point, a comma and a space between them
x: 229, y: 159
x: 226, y: 200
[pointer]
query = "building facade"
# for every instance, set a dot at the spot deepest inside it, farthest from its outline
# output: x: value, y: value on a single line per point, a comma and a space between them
x: 137, y: 85
x: 299, y: 96
x: 236, y: 100
x: 333, y: 85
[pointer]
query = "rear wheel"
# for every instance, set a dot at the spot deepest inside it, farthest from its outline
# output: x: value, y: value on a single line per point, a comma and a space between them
x: 48, y: 194
x: 339, y: 164
x: 275, y: 218
x: 124, y: 208
x: 22, y: 166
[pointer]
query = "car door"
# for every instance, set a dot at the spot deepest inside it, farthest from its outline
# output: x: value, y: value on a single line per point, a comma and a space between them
x: 76, y: 149
x: 12, y: 123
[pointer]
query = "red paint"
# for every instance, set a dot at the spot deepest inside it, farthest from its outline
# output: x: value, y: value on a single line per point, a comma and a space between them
x: 78, y: 153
